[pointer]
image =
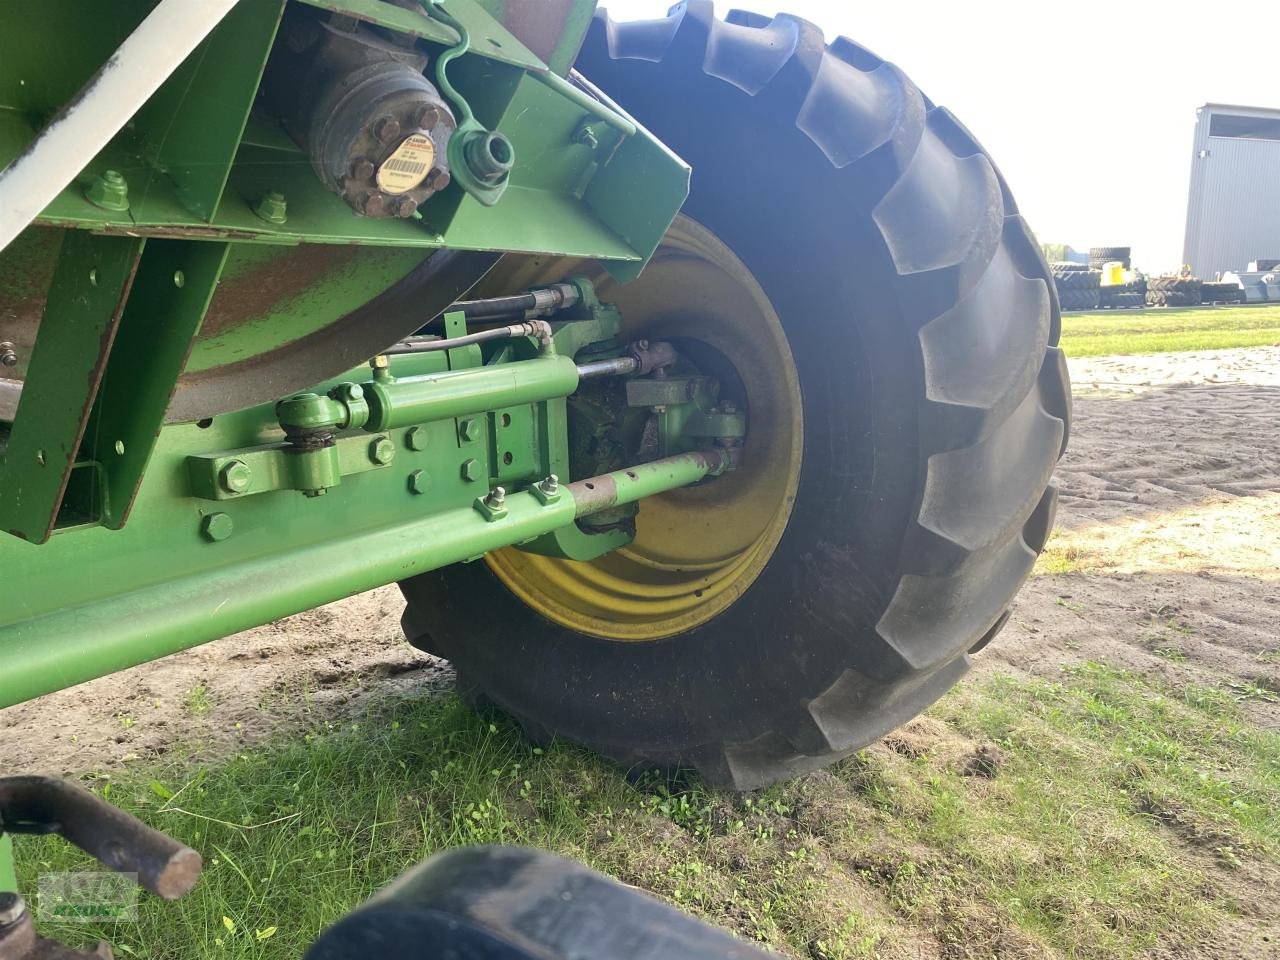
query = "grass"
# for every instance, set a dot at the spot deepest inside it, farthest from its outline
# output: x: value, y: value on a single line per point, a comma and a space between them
x: 1105, y: 806
x: 1169, y: 330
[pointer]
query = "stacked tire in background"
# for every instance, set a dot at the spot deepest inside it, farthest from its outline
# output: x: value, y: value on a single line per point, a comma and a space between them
x: 1173, y: 291
x: 1099, y: 257
x: 1215, y: 292
x: 1078, y: 286
x: 1122, y: 296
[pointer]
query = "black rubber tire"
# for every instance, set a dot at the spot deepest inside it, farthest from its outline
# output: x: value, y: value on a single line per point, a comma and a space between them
x: 1126, y: 295
x: 1100, y: 256
x: 1173, y: 291
x: 1122, y: 301
x: 1216, y: 292
x: 1077, y: 280
x: 1080, y: 298
x: 1067, y: 266
x: 923, y: 325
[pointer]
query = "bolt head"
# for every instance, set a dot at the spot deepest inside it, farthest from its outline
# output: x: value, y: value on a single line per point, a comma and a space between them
x: 427, y: 117
x: 382, y: 451
x: 8, y: 356
x: 406, y: 207
x: 374, y: 205
x: 109, y: 191
x: 386, y: 129
x: 471, y: 470
x: 497, y: 497
x: 438, y: 179
x: 551, y: 484
x: 470, y: 430
x: 217, y: 527
x: 419, y: 482
x: 362, y: 168
x: 353, y: 391
x: 417, y: 438
x: 272, y: 207
x: 235, y: 477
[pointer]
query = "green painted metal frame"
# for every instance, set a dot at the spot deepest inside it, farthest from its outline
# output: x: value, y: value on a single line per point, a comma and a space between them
x: 84, y: 310
x: 8, y: 869
x: 196, y: 563
x: 88, y: 451
x: 197, y: 164
x: 107, y: 356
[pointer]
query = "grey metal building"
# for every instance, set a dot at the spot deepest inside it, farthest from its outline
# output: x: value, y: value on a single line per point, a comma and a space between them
x: 1233, y: 212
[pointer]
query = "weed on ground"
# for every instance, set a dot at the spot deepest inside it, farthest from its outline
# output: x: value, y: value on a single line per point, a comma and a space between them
x: 1095, y: 815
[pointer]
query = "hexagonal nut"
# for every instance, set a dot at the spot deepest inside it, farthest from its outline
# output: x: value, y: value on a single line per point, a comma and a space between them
x: 419, y: 482
x: 217, y: 527
x: 386, y: 129
x: 235, y: 477
x: 382, y: 451
x: 471, y: 470
x: 470, y: 430
x: 417, y: 438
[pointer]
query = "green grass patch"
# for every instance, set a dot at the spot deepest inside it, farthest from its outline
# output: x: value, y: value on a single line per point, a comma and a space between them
x: 1109, y: 799
x: 1120, y: 332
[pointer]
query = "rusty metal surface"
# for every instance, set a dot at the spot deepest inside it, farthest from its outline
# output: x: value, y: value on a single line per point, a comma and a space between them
x: 42, y: 805
x: 347, y: 342
x: 19, y: 941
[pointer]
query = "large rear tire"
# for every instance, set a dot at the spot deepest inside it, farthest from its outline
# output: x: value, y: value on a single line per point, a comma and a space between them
x: 923, y: 324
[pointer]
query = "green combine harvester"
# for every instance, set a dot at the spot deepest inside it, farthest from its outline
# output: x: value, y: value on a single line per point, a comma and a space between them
x: 696, y: 379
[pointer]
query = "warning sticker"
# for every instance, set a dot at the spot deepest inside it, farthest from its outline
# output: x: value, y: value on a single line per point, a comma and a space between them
x: 408, y: 166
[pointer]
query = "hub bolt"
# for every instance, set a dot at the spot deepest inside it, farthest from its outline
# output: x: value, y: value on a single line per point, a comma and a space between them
x: 362, y: 168
x: 427, y: 117
x: 406, y: 207
x: 382, y: 451
x: 374, y: 205
x: 387, y: 129
x: 12, y: 909
x: 235, y: 477
x: 8, y: 355
x: 497, y: 498
x: 438, y: 179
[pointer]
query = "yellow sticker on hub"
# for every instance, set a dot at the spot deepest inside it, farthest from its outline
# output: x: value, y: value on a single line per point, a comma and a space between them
x: 408, y: 166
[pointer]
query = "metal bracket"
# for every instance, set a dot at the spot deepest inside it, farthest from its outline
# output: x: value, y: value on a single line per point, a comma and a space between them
x: 234, y: 474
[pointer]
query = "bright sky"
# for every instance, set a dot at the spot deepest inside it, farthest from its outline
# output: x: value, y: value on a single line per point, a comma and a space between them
x: 1088, y: 109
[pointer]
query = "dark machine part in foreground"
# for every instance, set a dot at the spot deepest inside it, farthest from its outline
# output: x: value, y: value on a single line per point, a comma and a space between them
x: 44, y: 805
x: 477, y: 903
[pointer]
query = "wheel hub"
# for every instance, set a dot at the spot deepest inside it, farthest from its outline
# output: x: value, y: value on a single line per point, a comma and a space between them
x: 697, y: 549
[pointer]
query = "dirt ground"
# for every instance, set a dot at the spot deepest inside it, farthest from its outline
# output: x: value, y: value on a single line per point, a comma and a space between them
x: 1166, y: 560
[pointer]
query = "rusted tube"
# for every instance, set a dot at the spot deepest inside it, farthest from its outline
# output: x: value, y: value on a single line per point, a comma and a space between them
x: 644, y: 480
x: 125, y: 844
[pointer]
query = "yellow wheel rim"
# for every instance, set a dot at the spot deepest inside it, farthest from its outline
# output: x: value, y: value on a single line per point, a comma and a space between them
x: 696, y: 549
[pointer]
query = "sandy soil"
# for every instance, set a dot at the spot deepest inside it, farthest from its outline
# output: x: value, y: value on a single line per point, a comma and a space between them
x: 1168, y: 528
x: 1169, y: 536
